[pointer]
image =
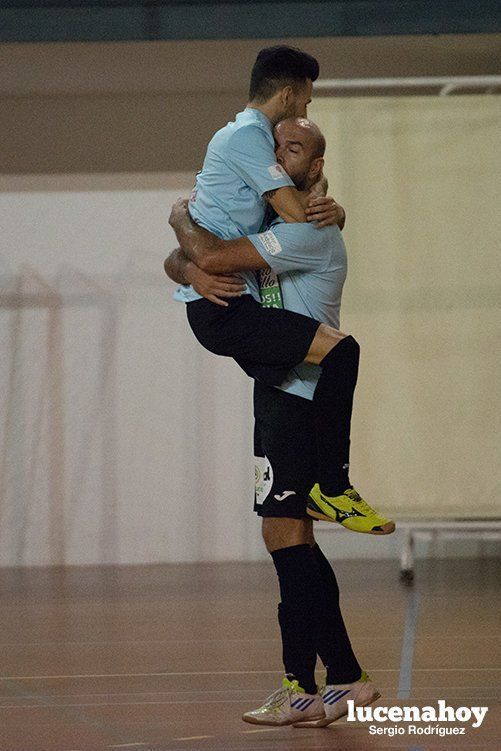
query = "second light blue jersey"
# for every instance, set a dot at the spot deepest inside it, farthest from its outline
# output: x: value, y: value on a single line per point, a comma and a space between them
x: 311, y: 264
x: 239, y: 167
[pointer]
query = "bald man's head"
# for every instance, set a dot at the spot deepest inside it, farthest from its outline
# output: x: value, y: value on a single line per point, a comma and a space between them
x: 300, y: 149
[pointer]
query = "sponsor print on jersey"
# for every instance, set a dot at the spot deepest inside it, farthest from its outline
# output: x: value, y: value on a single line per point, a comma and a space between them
x: 277, y: 171
x: 269, y: 289
x: 264, y: 478
x: 270, y: 242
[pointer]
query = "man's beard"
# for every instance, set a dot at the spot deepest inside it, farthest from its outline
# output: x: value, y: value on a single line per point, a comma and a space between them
x: 287, y: 113
x: 300, y: 182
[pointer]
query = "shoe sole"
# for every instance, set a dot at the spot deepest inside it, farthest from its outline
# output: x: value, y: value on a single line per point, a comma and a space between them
x: 254, y: 721
x: 326, y: 721
x: 387, y: 528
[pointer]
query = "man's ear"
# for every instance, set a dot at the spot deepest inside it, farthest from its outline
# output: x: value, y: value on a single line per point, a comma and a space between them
x: 316, y: 167
x: 286, y: 94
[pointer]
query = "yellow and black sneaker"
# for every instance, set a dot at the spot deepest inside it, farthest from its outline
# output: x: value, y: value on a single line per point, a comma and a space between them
x: 349, y: 510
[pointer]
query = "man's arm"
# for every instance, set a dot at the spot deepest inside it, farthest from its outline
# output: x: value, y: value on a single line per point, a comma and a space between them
x: 177, y: 267
x: 209, y: 252
x: 286, y: 247
x: 181, y: 270
x: 286, y: 203
x: 322, y: 209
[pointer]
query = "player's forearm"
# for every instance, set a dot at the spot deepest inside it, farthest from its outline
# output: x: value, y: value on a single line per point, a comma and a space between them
x: 209, y: 252
x: 287, y: 203
x: 195, y: 241
x: 213, y: 255
x: 177, y: 267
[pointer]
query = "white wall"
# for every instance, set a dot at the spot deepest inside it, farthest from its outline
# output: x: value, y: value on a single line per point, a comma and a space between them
x: 123, y: 440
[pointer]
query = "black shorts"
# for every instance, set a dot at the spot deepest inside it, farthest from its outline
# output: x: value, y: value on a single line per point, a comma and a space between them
x: 285, y: 452
x: 266, y: 342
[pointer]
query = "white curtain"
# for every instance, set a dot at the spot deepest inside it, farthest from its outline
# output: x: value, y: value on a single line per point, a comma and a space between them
x: 420, y: 180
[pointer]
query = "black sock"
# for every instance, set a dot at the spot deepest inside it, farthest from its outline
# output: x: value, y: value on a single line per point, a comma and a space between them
x: 334, y: 646
x: 333, y: 404
x: 299, y: 590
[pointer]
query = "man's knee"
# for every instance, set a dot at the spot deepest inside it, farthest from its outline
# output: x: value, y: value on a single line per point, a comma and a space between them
x: 284, y: 532
x: 326, y: 339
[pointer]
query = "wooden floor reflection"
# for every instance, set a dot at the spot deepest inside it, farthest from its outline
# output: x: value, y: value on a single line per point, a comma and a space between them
x: 166, y: 658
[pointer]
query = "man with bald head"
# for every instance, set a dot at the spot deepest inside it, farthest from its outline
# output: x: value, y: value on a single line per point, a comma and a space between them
x: 302, y: 269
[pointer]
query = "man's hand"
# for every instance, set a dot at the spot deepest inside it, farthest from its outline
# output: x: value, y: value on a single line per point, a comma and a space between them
x: 181, y: 270
x: 178, y: 212
x: 215, y: 286
x: 325, y: 211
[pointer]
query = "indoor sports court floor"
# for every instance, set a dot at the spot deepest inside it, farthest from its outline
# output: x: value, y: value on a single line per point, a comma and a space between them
x: 168, y: 657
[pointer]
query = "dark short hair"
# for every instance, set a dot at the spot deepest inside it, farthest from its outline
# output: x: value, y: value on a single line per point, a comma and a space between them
x: 280, y: 66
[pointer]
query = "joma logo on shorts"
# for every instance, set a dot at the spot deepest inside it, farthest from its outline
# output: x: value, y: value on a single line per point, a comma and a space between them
x: 284, y: 495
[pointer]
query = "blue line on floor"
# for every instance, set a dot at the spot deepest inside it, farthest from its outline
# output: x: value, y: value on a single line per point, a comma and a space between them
x: 405, y: 678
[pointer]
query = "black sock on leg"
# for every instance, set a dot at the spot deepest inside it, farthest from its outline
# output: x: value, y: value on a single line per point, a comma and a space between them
x: 334, y: 647
x: 310, y: 618
x: 333, y: 405
x: 299, y: 589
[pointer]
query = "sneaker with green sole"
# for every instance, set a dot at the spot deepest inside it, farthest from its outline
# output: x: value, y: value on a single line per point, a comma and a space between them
x: 286, y: 706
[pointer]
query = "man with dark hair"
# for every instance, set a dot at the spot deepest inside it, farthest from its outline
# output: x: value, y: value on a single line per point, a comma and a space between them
x: 240, y: 176
x: 279, y: 66
x: 312, y: 268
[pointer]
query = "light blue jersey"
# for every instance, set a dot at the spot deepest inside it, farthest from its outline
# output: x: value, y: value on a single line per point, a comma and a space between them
x: 239, y: 167
x: 311, y: 264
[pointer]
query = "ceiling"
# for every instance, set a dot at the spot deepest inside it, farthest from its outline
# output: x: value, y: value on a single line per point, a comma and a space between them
x: 149, y: 20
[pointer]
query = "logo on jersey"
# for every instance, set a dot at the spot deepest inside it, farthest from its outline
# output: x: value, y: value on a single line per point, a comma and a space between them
x: 277, y: 171
x: 269, y: 289
x: 270, y: 243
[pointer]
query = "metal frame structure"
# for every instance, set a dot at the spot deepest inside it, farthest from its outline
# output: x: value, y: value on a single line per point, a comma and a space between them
x: 482, y: 529
x: 27, y: 292
x: 444, y: 84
